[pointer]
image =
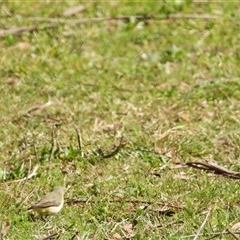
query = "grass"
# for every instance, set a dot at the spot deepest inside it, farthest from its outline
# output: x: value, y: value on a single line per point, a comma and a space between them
x: 170, y: 89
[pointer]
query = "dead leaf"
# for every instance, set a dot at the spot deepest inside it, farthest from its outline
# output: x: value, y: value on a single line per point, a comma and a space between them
x: 112, y: 127
x: 184, y: 116
x: 5, y: 228
x: 21, y: 46
x: 117, y: 236
x: 14, y: 81
x: 39, y: 107
x: 128, y: 228
x: 73, y: 10
x: 100, y: 126
x: 235, y: 227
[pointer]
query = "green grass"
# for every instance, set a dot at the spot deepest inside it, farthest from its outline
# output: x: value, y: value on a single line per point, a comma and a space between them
x: 169, y: 87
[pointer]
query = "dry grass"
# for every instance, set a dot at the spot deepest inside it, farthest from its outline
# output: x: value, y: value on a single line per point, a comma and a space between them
x: 144, y: 96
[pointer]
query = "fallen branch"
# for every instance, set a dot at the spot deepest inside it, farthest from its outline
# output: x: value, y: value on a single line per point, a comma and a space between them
x: 55, y: 21
x: 209, y: 166
x: 89, y: 20
x: 21, y: 30
x: 123, y: 18
x: 133, y: 201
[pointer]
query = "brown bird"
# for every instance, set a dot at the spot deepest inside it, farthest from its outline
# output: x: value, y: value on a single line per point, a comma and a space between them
x: 51, y: 203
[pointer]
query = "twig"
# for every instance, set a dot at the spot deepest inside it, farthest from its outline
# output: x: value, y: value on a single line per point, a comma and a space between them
x: 24, y: 182
x: 118, y: 224
x: 51, y: 236
x: 79, y: 138
x: 32, y: 174
x: 39, y: 107
x: 133, y: 201
x: 53, y: 148
x: 44, y: 19
x: 213, y: 234
x: 123, y: 18
x: 192, y: 16
x: 55, y: 144
x: 215, y: 168
x: 203, y: 224
x: 24, y: 200
x: 21, y: 30
x: 115, y: 151
x: 7, y: 11
x: 89, y: 20
x: 75, y: 235
x: 233, y: 234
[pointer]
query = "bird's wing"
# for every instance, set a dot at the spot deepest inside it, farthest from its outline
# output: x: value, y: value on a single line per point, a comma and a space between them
x: 46, y: 202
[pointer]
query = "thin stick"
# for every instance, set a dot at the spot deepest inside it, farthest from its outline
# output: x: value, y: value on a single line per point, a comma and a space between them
x: 21, y: 30
x: 88, y: 20
x: 79, y: 139
x: 39, y: 107
x: 51, y: 236
x: 54, y: 145
x: 123, y: 18
x: 193, y: 16
x: 32, y: 174
x: 73, y: 201
x: 24, y: 181
x: 233, y: 234
x: 203, y: 224
x: 116, y: 150
x: 75, y: 235
x: 118, y: 224
x: 24, y: 200
x: 213, y: 234
x: 215, y: 168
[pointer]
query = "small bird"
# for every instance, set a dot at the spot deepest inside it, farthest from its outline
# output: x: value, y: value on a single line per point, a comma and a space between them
x: 51, y: 203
